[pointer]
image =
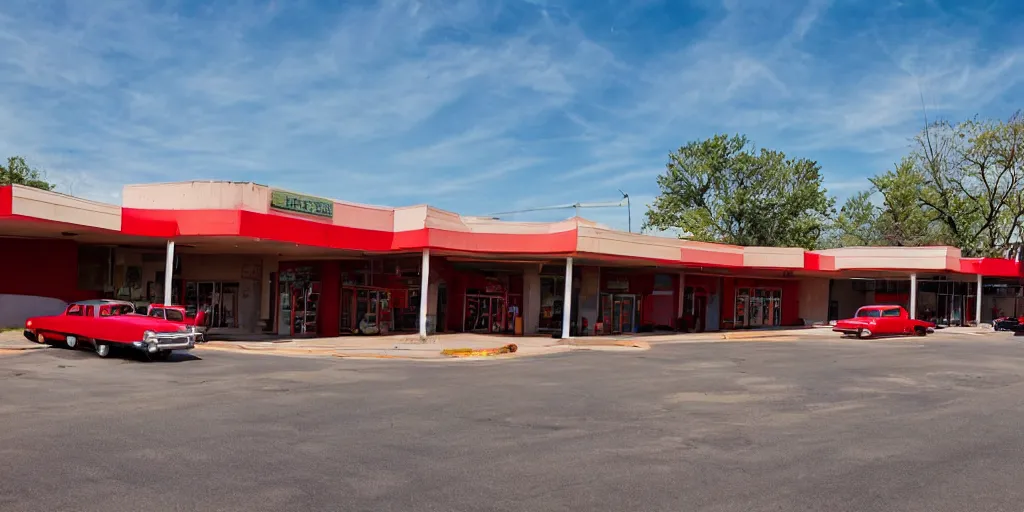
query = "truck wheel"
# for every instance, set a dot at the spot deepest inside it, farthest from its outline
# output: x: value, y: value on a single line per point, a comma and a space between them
x: 864, y: 333
x: 920, y: 331
x: 102, y: 349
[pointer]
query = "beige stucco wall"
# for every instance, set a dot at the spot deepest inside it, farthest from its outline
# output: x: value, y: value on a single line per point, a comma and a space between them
x: 813, y: 300
x: 605, y: 241
x: 195, y: 195
x: 895, y: 258
x: 53, y: 206
x: 773, y: 257
x: 363, y: 216
x: 411, y: 218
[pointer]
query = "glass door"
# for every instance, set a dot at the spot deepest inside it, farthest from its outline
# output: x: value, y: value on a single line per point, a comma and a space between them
x: 604, y: 318
x: 757, y: 309
x: 742, y: 308
x: 627, y: 312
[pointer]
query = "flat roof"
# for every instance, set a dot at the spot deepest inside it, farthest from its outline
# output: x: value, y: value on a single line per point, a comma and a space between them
x: 255, y: 218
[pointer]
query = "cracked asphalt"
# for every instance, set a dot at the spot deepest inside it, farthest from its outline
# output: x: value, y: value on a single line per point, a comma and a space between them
x: 912, y: 425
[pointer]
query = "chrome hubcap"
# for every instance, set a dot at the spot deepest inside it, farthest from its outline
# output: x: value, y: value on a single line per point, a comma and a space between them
x: 102, y: 349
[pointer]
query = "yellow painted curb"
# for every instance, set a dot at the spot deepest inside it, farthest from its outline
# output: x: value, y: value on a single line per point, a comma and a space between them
x: 469, y: 352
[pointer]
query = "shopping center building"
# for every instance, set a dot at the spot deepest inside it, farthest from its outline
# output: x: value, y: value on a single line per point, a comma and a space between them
x: 268, y: 260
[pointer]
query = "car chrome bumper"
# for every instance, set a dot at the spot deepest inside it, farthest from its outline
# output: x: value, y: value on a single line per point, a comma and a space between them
x: 175, y: 341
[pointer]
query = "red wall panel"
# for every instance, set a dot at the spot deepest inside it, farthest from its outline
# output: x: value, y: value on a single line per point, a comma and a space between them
x: 46, y: 268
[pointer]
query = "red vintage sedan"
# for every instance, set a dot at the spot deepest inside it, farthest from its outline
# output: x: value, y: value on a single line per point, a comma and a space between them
x: 103, y: 323
x: 882, y: 321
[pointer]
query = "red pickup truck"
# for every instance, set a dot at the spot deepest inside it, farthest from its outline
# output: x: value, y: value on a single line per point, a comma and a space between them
x: 178, y: 315
x: 102, y: 323
x: 882, y: 321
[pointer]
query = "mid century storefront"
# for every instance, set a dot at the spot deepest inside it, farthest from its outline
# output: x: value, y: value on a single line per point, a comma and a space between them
x: 268, y: 260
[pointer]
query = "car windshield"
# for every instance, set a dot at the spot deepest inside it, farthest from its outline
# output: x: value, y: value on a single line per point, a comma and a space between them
x: 868, y: 313
x: 174, y: 315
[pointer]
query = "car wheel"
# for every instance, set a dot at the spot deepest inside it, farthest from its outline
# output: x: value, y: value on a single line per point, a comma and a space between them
x: 920, y: 331
x: 40, y: 339
x: 71, y: 342
x: 102, y: 349
x: 864, y: 333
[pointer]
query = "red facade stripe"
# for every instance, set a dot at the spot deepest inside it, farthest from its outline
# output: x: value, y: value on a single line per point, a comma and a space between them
x: 6, y: 200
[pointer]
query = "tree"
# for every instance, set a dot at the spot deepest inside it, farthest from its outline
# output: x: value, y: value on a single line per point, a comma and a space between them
x: 723, y: 190
x: 900, y: 220
x: 857, y: 222
x: 973, y: 182
x: 17, y: 172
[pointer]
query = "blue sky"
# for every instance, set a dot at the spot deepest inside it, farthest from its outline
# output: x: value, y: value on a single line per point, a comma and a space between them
x: 479, y: 106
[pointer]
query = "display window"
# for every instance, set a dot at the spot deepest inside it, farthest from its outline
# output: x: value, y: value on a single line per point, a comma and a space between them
x: 365, y: 310
x: 298, y: 291
x: 758, y: 307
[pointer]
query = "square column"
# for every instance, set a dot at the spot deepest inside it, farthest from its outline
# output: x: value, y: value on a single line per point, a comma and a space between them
x: 567, y: 301
x: 913, y: 295
x: 977, y: 304
x: 424, y: 289
x: 168, y: 272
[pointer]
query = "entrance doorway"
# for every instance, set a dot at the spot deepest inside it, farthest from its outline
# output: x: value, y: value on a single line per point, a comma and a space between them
x: 219, y: 300
x: 365, y: 310
x: 484, y: 313
x: 758, y: 307
x: 618, y: 313
x: 442, y: 308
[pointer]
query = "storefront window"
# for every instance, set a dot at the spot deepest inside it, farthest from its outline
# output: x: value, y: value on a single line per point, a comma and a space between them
x: 552, y: 298
x: 758, y: 307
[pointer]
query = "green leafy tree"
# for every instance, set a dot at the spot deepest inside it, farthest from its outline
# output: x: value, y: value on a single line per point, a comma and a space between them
x: 723, y: 190
x: 973, y: 182
x: 900, y: 220
x: 857, y: 222
x: 17, y: 172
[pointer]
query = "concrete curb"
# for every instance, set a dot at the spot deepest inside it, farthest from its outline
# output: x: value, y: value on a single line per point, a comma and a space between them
x: 643, y: 345
x: 752, y: 335
x: 511, y: 348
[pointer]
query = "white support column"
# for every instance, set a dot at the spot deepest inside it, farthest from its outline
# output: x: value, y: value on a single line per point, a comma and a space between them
x: 913, y: 295
x: 168, y: 272
x: 567, y: 300
x: 977, y: 304
x: 424, y: 287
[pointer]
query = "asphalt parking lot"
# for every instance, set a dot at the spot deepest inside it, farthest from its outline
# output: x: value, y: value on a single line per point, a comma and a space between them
x: 914, y: 425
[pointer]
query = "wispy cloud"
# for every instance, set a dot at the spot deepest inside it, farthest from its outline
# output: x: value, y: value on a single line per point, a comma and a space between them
x: 480, y: 106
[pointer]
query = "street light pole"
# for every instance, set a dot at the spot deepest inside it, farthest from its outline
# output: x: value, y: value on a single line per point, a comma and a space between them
x: 629, y: 211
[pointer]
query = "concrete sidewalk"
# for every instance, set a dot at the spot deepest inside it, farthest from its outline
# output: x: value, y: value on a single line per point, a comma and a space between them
x: 409, y: 346
x: 14, y: 342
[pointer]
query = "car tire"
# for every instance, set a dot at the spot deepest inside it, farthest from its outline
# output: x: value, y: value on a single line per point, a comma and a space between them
x: 40, y: 339
x: 920, y: 331
x: 71, y: 342
x: 102, y: 349
x: 863, y: 334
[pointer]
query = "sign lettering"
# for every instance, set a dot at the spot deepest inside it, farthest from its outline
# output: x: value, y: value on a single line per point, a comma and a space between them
x: 297, y: 203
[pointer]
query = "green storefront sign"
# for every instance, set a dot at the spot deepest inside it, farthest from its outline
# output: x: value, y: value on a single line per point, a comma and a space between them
x: 298, y: 203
